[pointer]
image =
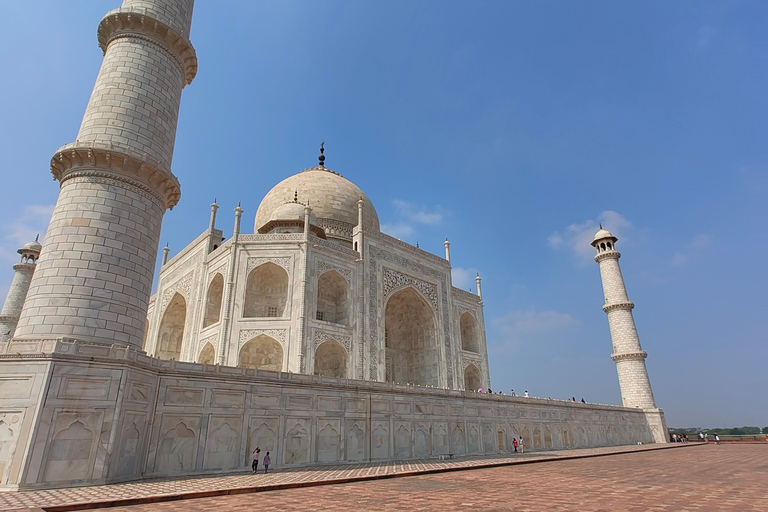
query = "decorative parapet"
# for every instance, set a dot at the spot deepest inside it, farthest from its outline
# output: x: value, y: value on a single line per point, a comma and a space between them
x: 464, y: 294
x: 629, y: 305
x: 408, y: 247
x: 120, y: 23
x: 334, y: 246
x: 94, y: 161
x: 269, y: 237
x: 607, y: 255
x: 630, y: 355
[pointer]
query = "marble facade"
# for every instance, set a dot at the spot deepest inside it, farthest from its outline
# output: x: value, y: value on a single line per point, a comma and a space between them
x: 81, y: 413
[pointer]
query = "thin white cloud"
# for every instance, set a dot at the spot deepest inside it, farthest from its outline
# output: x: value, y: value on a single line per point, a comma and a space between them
x: 697, y: 243
x: 525, y: 327
x: 418, y: 213
x: 409, y: 216
x: 577, y: 237
x: 464, y: 278
x: 704, y: 36
x: 398, y: 230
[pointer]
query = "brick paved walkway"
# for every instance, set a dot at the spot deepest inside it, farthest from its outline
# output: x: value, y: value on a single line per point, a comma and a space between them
x: 705, y: 479
x: 77, y: 498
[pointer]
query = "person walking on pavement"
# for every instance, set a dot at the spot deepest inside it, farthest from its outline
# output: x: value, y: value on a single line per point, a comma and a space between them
x: 717, y: 439
x: 521, y: 444
x: 514, y: 443
x: 267, y: 460
x: 255, y: 463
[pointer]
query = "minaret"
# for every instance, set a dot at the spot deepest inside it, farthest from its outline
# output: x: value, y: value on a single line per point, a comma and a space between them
x: 627, y: 353
x: 447, y: 245
x: 116, y: 182
x: 14, y: 301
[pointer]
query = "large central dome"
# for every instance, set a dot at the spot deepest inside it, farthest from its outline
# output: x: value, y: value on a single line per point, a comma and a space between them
x: 332, y: 197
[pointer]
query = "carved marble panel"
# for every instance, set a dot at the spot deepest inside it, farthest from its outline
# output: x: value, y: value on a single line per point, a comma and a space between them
x: 223, y: 444
x: 328, y: 439
x: 262, y: 434
x: 297, y: 438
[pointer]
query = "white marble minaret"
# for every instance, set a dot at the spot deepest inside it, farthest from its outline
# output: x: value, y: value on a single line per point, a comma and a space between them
x: 627, y: 353
x: 94, y: 278
x: 14, y: 301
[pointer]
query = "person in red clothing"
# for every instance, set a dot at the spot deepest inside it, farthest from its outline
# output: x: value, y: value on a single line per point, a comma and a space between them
x: 514, y: 443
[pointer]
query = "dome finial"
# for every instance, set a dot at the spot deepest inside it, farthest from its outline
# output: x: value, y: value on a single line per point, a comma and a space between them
x: 601, y: 225
x: 321, y: 158
x: 37, y: 237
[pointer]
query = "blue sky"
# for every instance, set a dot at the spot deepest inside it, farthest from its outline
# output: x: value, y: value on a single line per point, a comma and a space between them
x: 512, y: 128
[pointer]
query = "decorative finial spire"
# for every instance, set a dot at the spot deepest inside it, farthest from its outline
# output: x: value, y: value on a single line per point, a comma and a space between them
x: 214, y: 200
x: 37, y: 237
x: 601, y: 225
x: 321, y: 158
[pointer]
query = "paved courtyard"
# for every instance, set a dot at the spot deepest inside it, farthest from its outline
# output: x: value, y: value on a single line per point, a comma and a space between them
x: 699, y: 478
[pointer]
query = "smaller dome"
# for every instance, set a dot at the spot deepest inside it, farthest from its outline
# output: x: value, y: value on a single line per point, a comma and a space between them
x: 603, y: 233
x: 292, y: 211
x: 33, y: 246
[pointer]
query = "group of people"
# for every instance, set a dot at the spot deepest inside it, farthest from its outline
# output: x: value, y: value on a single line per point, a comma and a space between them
x: 703, y: 438
x: 255, y: 463
x: 520, y: 443
x: 527, y: 395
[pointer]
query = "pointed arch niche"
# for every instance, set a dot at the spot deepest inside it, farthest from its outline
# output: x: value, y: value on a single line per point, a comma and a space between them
x: 262, y: 353
x: 213, y: 301
x: 207, y: 355
x: 469, y: 337
x: 332, y: 298
x: 410, y: 339
x: 472, y: 379
x: 266, y: 291
x: 171, y: 333
x: 331, y: 360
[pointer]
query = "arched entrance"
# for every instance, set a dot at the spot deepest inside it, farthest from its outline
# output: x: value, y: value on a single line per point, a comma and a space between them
x: 331, y: 360
x: 411, y: 342
x: 262, y: 353
x: 171, y: 331
x: 266, y: 291
x: 472, y: 380
x: 332, y: 298
x: 207, y: 355
x: 469, y: 336
x: 213, y: 301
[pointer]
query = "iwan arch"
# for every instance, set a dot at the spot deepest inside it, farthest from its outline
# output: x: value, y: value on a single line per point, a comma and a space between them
x: 316, y: 337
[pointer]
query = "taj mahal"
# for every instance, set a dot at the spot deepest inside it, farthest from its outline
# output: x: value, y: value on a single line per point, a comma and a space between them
x: 316, y: 336
x: 318, y: 289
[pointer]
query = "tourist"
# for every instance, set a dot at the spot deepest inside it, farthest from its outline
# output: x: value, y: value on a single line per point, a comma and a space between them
x: 255, y: 463
x: 514, y: 443
x: 267, y: 460
x: 701, y: 437
x: 526, y: 394
x: 717, y: 439
x: 706, y: 437
x: 582, y: 400
x: 521, y: 444
x: 479, y: 390
x: 573, y: 399
x: 512, y: 392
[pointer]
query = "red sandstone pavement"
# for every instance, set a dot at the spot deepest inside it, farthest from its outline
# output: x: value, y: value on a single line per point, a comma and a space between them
x: 707, y: 478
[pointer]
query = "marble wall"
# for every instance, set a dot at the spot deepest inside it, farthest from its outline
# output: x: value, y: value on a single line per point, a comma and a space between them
x: 91, y: 413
